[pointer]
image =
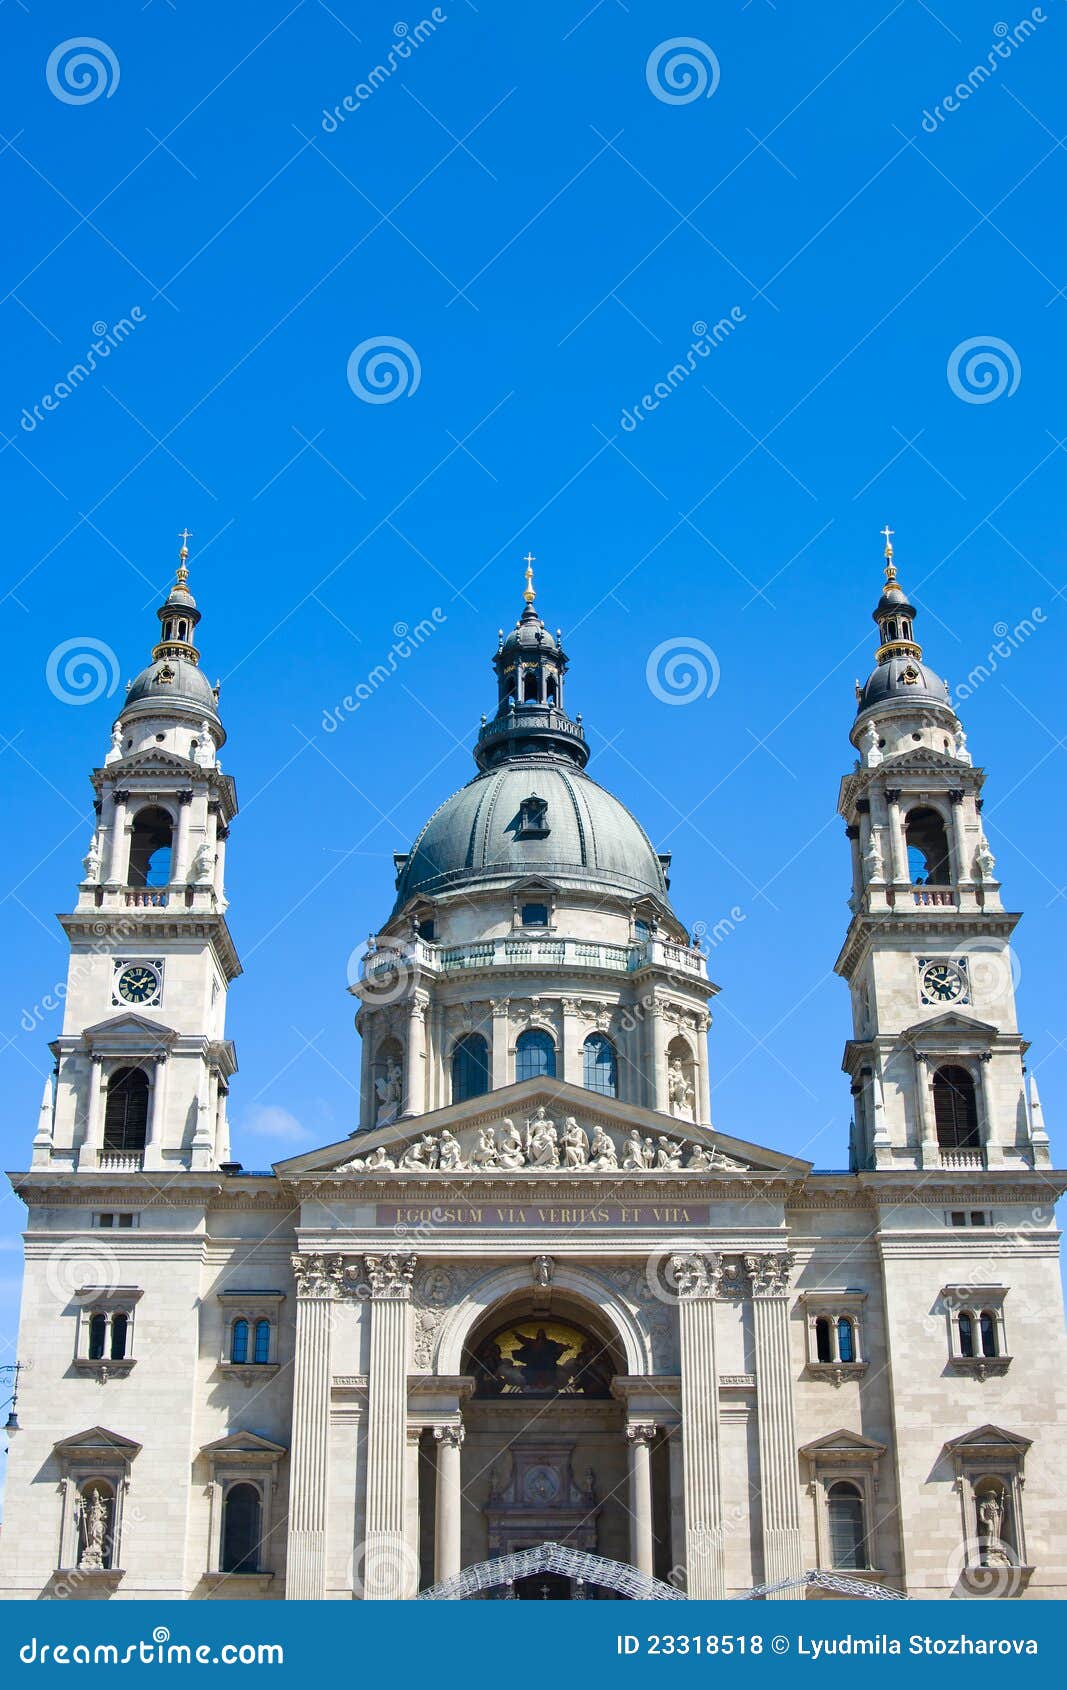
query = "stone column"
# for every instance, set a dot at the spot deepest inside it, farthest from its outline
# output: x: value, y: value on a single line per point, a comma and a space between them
x: 698, y: 1279
x: 930, y: 1155
x: 573, y: 1058
x: 415, y: 1057
x: 987, y: 1122
x: 390, y: 1570
x: 156, y: 1114
x: 660, y: 1036
x: 963, y: 874
x: 702, y: 1100
x: 640, y: 1439
x: 898, y: 852
x: 768, y: 1277
x: 94, y: 1111
x: 221, y: 835
x: 499, y: 1076
x: 179, y: 859
x: 447, y: 1543
x: 116, y: 864
x: 319, y: 1285
x: 852, y: 833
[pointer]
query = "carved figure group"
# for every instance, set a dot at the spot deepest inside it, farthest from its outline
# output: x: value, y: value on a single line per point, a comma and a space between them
x: 541, y: 1146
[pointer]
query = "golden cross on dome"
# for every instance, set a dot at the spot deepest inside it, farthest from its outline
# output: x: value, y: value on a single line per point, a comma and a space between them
x: 183, y: 573
x: 529, y: 595
x: 890, y: 568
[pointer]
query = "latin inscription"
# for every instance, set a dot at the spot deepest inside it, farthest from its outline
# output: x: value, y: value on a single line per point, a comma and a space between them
x: 542, y: 1214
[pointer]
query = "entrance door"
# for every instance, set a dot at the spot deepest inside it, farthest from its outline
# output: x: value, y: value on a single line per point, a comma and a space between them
x: 543, y: 1587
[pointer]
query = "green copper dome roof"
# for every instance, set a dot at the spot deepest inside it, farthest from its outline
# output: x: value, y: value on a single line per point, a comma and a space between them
x: 487, y: 831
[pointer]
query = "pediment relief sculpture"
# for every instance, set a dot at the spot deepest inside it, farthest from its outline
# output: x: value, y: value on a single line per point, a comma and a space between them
x: 541, y: 1144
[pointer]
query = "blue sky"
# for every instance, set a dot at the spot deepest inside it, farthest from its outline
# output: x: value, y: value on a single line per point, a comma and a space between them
x: 513, y: 199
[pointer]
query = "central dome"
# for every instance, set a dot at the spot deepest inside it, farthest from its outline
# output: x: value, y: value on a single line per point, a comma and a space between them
x: 532, y: 815
x: 532, y: 809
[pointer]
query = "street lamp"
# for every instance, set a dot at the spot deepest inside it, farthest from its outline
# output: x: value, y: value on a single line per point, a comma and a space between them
x: 12, y: 1422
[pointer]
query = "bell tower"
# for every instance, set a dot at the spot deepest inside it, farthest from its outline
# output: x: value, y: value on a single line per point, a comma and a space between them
x: 936, y: 1060
x: 143, y: 1064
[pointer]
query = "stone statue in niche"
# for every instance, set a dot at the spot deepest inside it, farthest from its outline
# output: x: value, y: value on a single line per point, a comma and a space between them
x: 543, y: 1271
x: 389, y: 1088
x: 94, y: 1512
x: 202, y: 866
x: 679, y: 1090
x: 990, y: 1512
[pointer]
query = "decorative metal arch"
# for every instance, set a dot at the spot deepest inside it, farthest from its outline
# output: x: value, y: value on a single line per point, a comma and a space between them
x: 552, y: 1558
x: 834, y: 1582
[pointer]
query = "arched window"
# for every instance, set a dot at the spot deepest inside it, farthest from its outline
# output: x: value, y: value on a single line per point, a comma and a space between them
x: 239, y: 1341
x: 601, y: 1065
x: 955, y: 1109
x: 535, y: 1056
x: 261, y: 1352
x: 126, y: 1112
x: 530, y: 689
x: 241, y: 1529
x: 470, y: 1068
x: 120, y: 1331
x: 965, y: 1327
x: 927, y: 843
x: 97, y: 1336
x: 987, y: 1329
x: 150, y: 848
x: 846, y: 1340
x: 824, y: 1344
x: 844, y: 1506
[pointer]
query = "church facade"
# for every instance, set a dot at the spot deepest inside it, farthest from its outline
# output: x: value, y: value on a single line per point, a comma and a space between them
x: 538, y: 1297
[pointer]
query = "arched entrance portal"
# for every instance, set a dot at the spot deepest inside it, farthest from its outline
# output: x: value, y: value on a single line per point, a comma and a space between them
x: 551, y: 1570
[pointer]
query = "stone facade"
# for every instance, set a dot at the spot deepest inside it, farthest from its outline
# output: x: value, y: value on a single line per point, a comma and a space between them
x: 537, y: 1296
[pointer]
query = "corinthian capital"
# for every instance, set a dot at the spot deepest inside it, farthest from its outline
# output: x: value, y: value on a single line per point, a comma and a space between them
x: 319, y: 1276
x: 768, y: 1274
x: 390, y: 1276
x: 697, y: 1275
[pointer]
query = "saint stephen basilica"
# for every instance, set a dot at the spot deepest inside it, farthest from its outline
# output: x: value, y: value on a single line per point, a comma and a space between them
x: 541, y: 1326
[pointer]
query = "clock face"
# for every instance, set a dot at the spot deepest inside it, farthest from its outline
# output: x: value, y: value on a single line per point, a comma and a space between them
x: 942, y: 982
x: 139, y: 982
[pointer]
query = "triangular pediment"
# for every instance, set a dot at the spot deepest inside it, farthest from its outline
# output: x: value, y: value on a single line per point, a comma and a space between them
x: 951, y: 1025
x: 843, y: 1443
x: 130, y: 1029
x: 986, y: 1438
x: 150, y: 760
x: 97, y: 1441
x: 244, y: 1443
x: 551, y: 1128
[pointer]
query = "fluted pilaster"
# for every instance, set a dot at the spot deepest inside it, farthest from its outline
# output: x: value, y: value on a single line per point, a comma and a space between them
x: 390, y: 1565
x: 768, y: 1277
x: 319, y: 1282
x: 698, y: 1279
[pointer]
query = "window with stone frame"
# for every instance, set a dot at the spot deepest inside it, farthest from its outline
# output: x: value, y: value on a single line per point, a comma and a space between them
x: 977, y: 1334
x: 104, y: 1338
x: 833, y: 1326
x: 988, y: 1465
x: 244, y: 1520
x: 94, y: 1469
x: 843, y: 1486
x: 250, y: 1333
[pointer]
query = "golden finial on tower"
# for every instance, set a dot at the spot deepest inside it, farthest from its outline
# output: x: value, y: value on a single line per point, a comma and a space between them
x: 890, y: 567
x: 183, y: 555
x: 529, y: 595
